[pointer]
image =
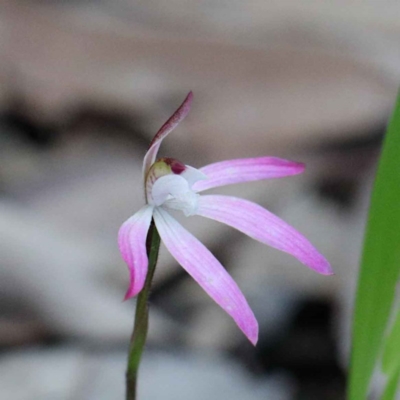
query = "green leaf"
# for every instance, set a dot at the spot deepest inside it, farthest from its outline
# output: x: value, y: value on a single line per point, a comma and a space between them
x: 391, y: 353
x: 391, y: 386
x: 380, y: 265
x: 391, y: 360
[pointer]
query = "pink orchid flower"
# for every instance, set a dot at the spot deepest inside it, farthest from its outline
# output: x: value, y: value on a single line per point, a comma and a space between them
x: 169, y: 184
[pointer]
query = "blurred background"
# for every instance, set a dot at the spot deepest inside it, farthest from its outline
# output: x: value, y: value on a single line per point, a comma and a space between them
x: 84, y: 85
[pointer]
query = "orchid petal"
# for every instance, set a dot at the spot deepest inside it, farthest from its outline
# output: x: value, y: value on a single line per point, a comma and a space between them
x: 168, y: 185
x: 168, y: 127
x: 132, y: 245
x: 263, y: 226
x: 193, y: 175
x: 206, y: 270
x: 246, y: 170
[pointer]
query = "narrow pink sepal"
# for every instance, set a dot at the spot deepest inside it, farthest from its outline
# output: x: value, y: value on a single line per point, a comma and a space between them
x: 246, y: 170
x: 263, y: 226
x: 132, y: 245
x: 206, y: 270
x: 177, y: 117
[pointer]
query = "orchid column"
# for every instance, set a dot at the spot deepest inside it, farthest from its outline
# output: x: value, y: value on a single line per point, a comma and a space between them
x: 172, y: 185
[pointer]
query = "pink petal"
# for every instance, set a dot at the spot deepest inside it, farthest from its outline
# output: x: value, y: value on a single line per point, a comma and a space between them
x: 264, y: 226
x: 168, y: 127
x: 132, y: 245
x: 207, y: 272
x: 246, y: 170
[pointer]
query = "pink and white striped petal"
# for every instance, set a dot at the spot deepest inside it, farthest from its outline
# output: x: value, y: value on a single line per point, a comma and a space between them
x: 178, y: 116
x: 263, y: 226
x: 132, y: 245
x: 246, y: 170
x: 206, y: 270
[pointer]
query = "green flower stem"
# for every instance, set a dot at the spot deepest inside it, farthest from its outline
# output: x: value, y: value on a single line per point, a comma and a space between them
x: 139, y: 334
